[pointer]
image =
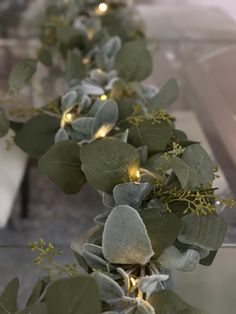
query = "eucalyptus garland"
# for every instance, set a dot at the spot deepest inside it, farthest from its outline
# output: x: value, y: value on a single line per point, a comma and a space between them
x: 111, y: 130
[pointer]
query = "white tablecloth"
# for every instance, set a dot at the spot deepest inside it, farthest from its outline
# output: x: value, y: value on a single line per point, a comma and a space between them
x: 12, y: 167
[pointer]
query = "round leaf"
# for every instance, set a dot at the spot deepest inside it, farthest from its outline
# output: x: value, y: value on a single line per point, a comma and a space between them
x: 167, y: 302
x: 61, y: 163
x: 74, y: 295
x: 208, y: 232
x: 110, y: 291
x: 37, y: 135
x: 108, y: 162
x: 133, y: 61
x: 106, y: 116
x: 155, y: 135
x: 125, y: 239
x: 131, y: 194
x: 21, y: 74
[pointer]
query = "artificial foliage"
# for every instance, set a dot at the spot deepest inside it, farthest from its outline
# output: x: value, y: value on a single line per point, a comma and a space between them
x: 110, y: 129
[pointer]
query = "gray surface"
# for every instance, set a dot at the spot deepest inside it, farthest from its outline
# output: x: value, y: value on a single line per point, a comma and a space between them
x: 53, y: 216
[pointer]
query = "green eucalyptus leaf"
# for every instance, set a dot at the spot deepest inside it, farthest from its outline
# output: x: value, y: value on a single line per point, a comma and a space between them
x: 126, y: 109
x: 83, y: 126
x: 208, y: 260
x: 163, y: 229
x: 37, y: 135
x: 208, y: 232
x: 110, y: 291
x: 131, y: 194
x: 108, y: 162
x: 39, y: 308
x: 180, y: 135
x: 101, y: 218
x: 172, y: 258
x: 106, y: 116
x: 37, y: 291
x: 144, y: 307
x: 21, y: 74
x: 61, y: 135
x: 70, y: 37
x: 195, y: 169
x: 137, y: 88
x: 111, y: 47
x: 72, y: 296
x: 149, y: 284
x: 133, y: 61
x: 4, y: 123
x: 159, y: 164
x: 90, y: 89
x: 155, y: 135
x: 125, y: 239
x: 167, y: 302
x: 45, y: 57
x: 8, y: 298
x: 68, y: 100
x: 143, y: 153
x: 75, y: 68
x: 93, y: 255
x: 92, y: 236
x: 108, y: 200
x: 61, y: 163
x: 166, y: 96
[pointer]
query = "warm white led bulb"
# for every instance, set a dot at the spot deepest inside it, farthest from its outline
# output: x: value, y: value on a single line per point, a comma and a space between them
x: 103, y: 97
x: 103, y: 7
x: 68, y: 117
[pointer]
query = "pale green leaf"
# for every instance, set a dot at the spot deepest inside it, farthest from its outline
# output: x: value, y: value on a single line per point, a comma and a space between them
x: 131, y: 194
x: 61, y: 135
x: 21, y: 74
x: 125, y: 239
x: 110, y: 291
x: 172, y: 258
x: 68, y: 100
x: 106, y: 116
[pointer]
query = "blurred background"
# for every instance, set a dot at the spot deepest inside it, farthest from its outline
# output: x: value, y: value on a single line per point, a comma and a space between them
x: 191, y: 40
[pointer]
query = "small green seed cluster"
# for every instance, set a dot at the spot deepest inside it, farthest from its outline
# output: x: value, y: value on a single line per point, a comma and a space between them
x: 45, y: 255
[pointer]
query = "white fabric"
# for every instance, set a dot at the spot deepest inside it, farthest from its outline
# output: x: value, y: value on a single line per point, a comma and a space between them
x: 12, y: 167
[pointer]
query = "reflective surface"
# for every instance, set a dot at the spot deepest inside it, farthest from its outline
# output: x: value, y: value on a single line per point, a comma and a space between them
x: 202, y: 58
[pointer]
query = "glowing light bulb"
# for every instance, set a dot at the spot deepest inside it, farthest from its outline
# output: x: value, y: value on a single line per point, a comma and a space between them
x: 133, y: 281
x: 134, y: 174
x: 103, y: 97
x: 103, y: 7
x: 86, y: 61
x: 103, y: 131
x: 68, y: 117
